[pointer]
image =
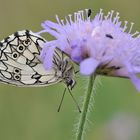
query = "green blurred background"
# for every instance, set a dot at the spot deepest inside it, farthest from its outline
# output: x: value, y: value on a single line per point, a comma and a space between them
x: 31, y: 113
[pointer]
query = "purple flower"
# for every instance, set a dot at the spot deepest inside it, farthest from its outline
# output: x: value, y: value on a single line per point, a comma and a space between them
x: 100, y: 45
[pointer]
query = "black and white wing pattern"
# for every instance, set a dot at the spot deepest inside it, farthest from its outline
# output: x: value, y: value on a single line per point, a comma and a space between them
x: 20, y: 63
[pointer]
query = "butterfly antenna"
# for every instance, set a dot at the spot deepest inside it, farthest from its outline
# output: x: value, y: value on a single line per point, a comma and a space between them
x: 61, y: 100
x: 75, y: 101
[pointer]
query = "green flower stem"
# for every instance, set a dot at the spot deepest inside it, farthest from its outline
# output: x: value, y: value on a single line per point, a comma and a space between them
x: 85, y: 109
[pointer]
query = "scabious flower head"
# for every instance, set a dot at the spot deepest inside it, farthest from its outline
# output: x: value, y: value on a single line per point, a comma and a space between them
x: 102, y: 45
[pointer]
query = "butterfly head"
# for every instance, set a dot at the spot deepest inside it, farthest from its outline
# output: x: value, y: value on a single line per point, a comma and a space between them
x: 70, y: 83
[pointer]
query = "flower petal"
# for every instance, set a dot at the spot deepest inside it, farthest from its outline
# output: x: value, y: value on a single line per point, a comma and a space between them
x: 76, y: 55
x: 132, y: 75
x: 47, y: 56
x: 88, y: 66
x: 135, y: 80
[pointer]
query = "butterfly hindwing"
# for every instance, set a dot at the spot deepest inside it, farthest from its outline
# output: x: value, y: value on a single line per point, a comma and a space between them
x: 20, y: 63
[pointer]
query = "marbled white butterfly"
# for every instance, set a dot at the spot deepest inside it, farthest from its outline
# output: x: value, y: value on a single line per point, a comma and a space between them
x: 20, y: 63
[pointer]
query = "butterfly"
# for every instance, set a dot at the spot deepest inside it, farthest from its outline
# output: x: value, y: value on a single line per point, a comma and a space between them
x: 20, y: 62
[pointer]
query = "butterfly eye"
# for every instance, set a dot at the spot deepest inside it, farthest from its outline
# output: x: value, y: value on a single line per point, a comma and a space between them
x: 15, y: 55
x: 17, y: 77
x: 27, y: 42
x: 16, y: 70
x: 20, y: 48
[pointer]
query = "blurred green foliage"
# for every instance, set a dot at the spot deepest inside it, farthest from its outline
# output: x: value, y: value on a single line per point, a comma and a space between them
x: 31, y: 113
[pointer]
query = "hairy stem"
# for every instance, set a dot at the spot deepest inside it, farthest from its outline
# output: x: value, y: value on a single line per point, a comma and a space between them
x: 85, y: 109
